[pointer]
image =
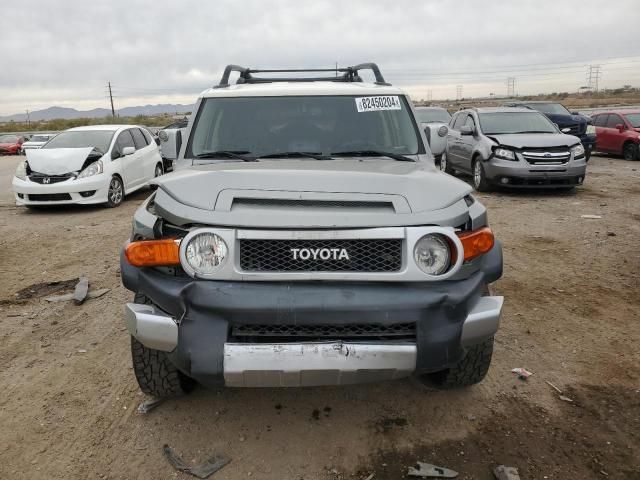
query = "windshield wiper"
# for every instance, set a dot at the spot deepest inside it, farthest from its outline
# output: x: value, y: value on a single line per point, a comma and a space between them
x: 314, y: 155
x: 373, y: 153
x: 227, y: 154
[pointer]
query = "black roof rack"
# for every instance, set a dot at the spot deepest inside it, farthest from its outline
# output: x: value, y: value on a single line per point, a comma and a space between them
x: 343, y: 74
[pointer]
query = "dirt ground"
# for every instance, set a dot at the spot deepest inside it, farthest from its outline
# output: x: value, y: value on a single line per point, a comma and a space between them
x: 572, y: 314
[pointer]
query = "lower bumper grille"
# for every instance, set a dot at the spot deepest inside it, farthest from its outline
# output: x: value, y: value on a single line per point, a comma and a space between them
x: 339, y: 331
x: 49, y: 197
x: 366, y: 255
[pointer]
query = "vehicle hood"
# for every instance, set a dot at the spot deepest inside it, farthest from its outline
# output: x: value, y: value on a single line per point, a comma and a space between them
x: 33, y: 144
x: 564, y: 120
x: 56, y: 161
x: 286, y: 193
x: 536, y: 140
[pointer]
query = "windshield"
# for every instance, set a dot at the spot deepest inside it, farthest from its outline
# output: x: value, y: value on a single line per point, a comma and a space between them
x: 432, y: 115
x: 515, y: 122
x: 39, y: 138
x: 633, y: 119
x: 552, y: 108
x: 8, y: 139
x: 320, y: 124
x: 100, y: 139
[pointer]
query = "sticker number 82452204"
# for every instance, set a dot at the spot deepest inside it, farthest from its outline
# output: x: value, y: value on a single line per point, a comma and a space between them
x: 376, y: 104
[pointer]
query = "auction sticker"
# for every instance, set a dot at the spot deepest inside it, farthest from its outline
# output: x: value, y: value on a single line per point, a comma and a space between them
x: 376, y: 104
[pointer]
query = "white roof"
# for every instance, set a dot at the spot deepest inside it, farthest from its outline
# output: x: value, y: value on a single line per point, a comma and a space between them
x: 100, y: 127
x: 282, y: 89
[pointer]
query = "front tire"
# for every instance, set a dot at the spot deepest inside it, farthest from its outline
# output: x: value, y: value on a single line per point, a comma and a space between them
x: 115, y: 194
x: 444, y: 164
x: 480, y: 182
x: 630, y: 151
x: 157, y: 173
x: 470, y: 370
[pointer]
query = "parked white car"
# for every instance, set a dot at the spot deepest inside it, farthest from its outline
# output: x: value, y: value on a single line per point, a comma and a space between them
x: 171, y: 141
x: 37, y: 141
x: 88, y: 165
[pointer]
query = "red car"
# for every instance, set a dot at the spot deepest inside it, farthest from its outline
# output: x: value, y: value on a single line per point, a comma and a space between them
x: 10, y: 144
x: 618, y: 132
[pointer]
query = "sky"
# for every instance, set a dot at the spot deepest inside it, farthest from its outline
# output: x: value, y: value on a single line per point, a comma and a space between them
x: 63, y: 53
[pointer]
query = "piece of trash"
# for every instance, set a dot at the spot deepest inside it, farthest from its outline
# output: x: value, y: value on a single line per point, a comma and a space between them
x: 82, y: 288
x: 554, y: 387
x: 565, y: 399
x: 149, y: 404
x: 370, y: 477
x: 69, y: 296
x: 427, y: 470
x: 522, y: 373
x: 591, y: 217
x: 506, y: 473
x: 82, y: 350
x: 611, y: 234
x: 203, y: 470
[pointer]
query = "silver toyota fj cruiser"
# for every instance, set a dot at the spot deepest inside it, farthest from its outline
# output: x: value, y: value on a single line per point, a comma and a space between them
x: 311, y: 241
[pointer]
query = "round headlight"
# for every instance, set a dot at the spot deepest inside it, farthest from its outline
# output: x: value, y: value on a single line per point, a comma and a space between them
x: 432, y: 254
x: 205, y: 253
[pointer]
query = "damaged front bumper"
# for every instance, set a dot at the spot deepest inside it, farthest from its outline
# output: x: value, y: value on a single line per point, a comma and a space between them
x: 196, y: 322
x: 83, y: 191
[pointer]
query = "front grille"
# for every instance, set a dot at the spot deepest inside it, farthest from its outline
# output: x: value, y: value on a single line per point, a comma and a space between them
x: 49, y: 197
x: 547, y: 156
x: 362, y: 255
x: 324, y: 330
x: 47, y: 179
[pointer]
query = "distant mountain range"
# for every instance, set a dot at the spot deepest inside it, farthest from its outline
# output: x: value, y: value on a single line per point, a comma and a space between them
x: 53, y: 113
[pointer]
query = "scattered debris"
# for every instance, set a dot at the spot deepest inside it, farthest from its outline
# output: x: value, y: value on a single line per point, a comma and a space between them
x: 44, y: 288
x: 561, y: 395
x: 82, y: 350
x: 427, y: 470
x: 591, y: 217
x: 565, y: 399
x: 370, y: 477
x: 522, y: 373
x: 506, y: 473
x: 82, y: 288
x: 203, y: 470
x: 149, y: 404
x: 70, y: 296
x: 611, y: 234
x: 554, y: 387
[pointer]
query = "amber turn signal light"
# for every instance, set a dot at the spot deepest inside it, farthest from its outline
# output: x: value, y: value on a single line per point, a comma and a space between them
x: 476, y: 243
x: 153, y: 253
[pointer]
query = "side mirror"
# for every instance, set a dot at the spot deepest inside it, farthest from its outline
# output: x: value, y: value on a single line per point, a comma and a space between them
x: 620, y: 127
x: 466, y: 130
x: 128, y: 151
x: 575, y: 113
x: 170, y: 143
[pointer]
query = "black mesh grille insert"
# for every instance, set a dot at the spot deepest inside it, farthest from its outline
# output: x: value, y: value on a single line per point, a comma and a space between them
x: 47, y: 179
x: 368, y: 255
x: 318, y: 331
x: 49, y: 197
x: 310, y: 204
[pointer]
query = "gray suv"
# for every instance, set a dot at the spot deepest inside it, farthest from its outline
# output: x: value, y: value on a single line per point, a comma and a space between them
x: 514, y: 147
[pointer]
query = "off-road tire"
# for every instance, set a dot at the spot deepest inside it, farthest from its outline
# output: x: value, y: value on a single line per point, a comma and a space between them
x: 630, y: 151
x: 446, y: 167
x: 155, y: 374
x: 480, y: 182
x: 468, y: 371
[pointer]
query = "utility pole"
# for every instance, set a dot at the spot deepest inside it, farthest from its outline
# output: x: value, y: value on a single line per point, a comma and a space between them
x: 458, y: 92
x: 511, y: 87
x: 593, y: 77
x: 28, y: 119
x: 429, y: 95
x: 113, y: 112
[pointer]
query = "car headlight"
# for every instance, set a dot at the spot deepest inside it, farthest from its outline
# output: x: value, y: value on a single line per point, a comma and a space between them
x: 591, y: 129
x: 432, y: 254
x: 442, y: 131
x: 21, y: 171
x: 204, y: 254
x: 505, y: 154
x: 93, y: 169
x: 578, y: 151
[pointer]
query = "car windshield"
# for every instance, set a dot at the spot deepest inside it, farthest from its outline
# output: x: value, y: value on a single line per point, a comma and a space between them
x: 633, y: 119
x: 432, y: 115
x: 515, y: 122
x: 552, y: 108
x: 99, y: 139
x: 8, y: 139
x: 39, y: 138
x: 258, y: 126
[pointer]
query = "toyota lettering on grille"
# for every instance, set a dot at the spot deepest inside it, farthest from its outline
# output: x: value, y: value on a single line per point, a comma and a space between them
x: 320, y: 253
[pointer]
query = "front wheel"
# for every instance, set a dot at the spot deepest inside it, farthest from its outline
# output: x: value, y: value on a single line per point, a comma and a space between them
x: 470, y: 370
x: 480, y: 182
x: 115, y: 194
x: 444, y: 164
x: 630, y: 151
x: 157, y: 173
